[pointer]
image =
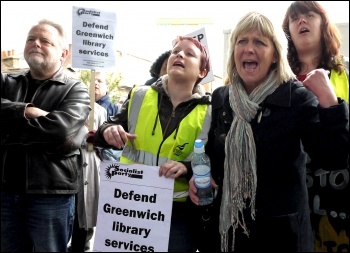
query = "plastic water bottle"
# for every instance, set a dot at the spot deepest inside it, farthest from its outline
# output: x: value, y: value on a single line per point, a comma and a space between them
x: 201, y: 172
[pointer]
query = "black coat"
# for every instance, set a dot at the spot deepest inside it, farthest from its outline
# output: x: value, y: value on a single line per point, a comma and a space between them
x: 291, y: 122
x: 45, y: 151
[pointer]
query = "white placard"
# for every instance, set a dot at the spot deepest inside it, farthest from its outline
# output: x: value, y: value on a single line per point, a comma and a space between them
x: 93, y: 39
x: 134, y: 210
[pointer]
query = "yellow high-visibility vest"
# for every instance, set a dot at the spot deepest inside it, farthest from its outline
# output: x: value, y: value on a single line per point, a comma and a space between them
x: 340, y: 83
x: 150, y: 147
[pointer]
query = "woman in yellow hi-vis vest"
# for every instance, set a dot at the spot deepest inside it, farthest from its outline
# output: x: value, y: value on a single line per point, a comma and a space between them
x: 158, y: 125
x: 314, y: 42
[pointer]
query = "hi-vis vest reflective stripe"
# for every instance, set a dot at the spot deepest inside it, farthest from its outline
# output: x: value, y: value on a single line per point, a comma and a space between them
x: 340, y: 83
x: 153, y: 150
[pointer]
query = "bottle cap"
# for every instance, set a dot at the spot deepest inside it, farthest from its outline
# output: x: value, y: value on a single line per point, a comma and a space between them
x: 198, y: 146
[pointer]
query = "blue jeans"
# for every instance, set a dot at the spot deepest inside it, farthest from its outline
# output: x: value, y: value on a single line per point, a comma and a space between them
x: 36, y: 222
x: 109, y: 154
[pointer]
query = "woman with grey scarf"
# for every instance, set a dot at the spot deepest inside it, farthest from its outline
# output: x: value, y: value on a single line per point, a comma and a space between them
x: 263, y: 123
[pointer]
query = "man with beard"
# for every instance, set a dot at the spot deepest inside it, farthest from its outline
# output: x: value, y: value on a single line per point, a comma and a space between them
x: 43, y: 112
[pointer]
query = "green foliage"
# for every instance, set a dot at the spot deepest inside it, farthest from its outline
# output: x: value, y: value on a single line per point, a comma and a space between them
x: 85, y: 77
x: 113, y: 89
x: 113, y: 80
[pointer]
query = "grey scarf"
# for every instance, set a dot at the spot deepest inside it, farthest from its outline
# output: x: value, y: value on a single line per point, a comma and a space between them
x: 240, y: 162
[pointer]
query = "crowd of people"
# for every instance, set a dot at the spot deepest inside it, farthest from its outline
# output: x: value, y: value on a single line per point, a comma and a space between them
x: 278, y: 120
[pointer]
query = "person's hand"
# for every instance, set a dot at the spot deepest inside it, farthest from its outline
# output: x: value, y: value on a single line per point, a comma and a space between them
x: 193, y: 192
x: 317, y: 82
x: 172, y: 169
x: 116, y: 136
x: 193, y: 189
x: 34, y: 112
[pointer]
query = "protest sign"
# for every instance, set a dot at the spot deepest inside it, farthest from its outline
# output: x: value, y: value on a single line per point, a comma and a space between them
x: 93, y: 39
x: 134, y: 210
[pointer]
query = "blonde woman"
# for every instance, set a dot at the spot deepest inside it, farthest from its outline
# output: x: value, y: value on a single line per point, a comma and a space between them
x: 262, y: 122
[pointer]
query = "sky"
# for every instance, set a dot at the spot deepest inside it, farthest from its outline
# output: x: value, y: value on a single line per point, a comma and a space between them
x: 137, y: 32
